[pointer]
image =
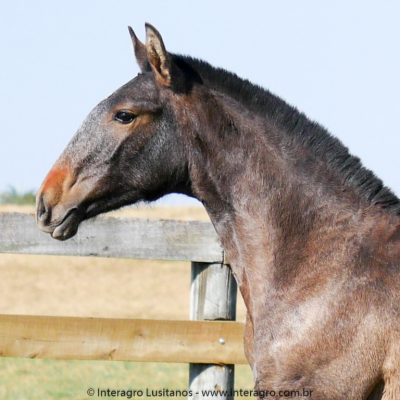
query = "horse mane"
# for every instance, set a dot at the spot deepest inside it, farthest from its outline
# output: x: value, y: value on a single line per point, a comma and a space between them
x: 298, y: 127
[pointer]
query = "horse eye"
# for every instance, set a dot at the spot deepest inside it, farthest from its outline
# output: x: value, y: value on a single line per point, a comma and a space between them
x: 124, y: 117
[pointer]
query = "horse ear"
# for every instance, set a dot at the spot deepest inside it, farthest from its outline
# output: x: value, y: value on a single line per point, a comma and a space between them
x: 157, y: 56
x: 140, y: 52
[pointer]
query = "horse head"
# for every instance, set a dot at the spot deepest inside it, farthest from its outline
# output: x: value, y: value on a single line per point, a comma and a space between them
x: 128, y: 148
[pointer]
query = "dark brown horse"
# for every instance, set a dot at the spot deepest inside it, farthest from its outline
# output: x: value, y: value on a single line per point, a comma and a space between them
x: 312, y: 236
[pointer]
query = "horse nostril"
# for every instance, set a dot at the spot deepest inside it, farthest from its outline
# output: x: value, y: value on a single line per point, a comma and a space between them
x: 42, y: 210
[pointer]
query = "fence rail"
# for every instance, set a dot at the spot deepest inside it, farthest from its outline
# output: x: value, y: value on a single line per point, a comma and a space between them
x: 211, y: 347
x: 76, y: 338
x: 115, y: 237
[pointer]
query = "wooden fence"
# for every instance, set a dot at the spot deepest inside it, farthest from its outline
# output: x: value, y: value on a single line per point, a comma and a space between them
x: 210, y: 342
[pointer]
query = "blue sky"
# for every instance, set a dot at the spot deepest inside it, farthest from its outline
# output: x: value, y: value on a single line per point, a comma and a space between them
x: 338, y: 62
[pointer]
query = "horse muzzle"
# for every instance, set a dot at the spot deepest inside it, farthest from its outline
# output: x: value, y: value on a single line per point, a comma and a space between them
x: 61, y: 223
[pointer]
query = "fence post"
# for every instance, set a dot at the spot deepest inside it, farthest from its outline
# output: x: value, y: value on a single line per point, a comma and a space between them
x: 212, y: 297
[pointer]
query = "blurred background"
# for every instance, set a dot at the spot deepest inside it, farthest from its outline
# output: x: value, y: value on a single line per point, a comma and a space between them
x: 336, y: 61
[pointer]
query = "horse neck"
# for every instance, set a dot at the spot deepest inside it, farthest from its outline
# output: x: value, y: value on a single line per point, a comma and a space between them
x: 274, y: 214
x: 242, y: 167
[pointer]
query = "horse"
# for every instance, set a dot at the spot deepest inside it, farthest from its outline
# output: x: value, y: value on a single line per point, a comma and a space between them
x: 312, y: 236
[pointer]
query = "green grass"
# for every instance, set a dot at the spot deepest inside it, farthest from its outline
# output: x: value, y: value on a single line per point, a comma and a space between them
x: 12, y: 196
x: 26, y: 379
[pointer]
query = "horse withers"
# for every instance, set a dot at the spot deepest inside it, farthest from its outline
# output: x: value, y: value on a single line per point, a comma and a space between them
x: 312, y: 236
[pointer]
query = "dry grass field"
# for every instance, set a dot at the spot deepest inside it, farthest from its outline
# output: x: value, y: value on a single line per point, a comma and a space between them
x: 98, y: 287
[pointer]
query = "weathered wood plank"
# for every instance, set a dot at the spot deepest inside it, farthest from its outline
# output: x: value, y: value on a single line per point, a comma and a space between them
x: 213, y: 292
x: 115, y: 237
x: 213, y: 297
x: 121, y: 339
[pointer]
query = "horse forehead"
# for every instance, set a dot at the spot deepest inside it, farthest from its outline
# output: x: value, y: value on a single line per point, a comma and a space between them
x: 95, y: 117
x: 142, y: 85
x: 93, y: 127
x: 93, y: 131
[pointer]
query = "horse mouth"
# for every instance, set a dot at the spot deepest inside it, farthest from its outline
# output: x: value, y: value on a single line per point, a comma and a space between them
x: 68, y: 226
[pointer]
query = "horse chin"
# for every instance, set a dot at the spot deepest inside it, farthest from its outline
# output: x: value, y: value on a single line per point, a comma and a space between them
x: 68, y: 227
x: 71, y: 221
